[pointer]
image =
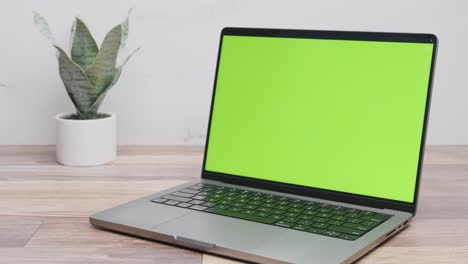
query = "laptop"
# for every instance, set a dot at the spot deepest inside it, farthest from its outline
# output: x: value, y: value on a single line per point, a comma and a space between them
x: 313, y: 154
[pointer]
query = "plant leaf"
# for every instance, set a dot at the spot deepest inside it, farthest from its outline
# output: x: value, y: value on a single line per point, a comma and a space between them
x: 84, y: 48
x: 125, y: 28
x: 102, y: 71
x: 72, y: 34
x: 78, y: 87
x: 118, y: 71
x: 128, y: 57
x: 43, y: 27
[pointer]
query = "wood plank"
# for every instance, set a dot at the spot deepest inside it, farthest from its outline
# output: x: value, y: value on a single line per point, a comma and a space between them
x: 85, y: 235
x: 72, y: 198
x: 435, y: 254
x: 53, y: 255
x: 38, y: 162
x: 16, y: 234
x: 210, y: 259
x: 390, y: 255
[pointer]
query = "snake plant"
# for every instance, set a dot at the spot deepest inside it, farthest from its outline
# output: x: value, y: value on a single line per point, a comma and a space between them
x: 89, y: 72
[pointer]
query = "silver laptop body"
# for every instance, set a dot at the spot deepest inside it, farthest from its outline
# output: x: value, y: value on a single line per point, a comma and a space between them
x: 191, y: 226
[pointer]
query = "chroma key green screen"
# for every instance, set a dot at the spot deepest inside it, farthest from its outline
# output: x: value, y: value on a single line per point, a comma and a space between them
x: 340, y: 115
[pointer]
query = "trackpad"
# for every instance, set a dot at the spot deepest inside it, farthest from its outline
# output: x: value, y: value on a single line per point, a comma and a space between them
x: 221, y: 231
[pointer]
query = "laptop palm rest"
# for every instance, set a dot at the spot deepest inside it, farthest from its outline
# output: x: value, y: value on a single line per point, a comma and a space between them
x: 209, y: 231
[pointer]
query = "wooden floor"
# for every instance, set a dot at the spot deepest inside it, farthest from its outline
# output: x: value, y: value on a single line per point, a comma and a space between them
x: 44, y: 208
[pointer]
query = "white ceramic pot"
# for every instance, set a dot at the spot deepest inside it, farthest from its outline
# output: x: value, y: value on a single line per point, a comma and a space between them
x: 86, y: 142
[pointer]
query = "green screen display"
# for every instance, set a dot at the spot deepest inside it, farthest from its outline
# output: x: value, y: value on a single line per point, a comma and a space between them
x: 339, y: 115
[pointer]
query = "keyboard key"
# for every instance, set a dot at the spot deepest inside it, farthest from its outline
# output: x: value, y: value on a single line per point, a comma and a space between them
x: 383, y: 216
x: 375, y: 218
x: 262, y: 214
x: 171, y: 202
x: 348, y: 237
x: 208, y: 204
x: 324, y: 210
x: 296, y: 205
x: 196, y: 202
x: 367, y: 213
x: 346, y: 230
x: 353, y: 215
x: 309, y: 212
x: 263, y: 209
x: 315, y: 230
x: 181, y: 194
x: 184, y: 205
x: 369, y: 223
x: 276, y: 211
x: 335, y: 222
x: 324, y: 215
x: 339, y: 217
x: 190, y: 191
x: 296, y: 210
x: 249, y: 212
x: 282, y: 207
x: 353, y: 220
x: 213, y: 200
x: 235, y: 209
x: 159, y: 200
x: 222, y: 207
x: 176, y: 198
x: 305, y: 222
x: 371, y: 218
x: 276, y: 217
x: 284, y: 224
x: 198, y: 207
x: 320, y: 225
x: 199, y: 197
x: 338, y: 212
x: 241, y: 215
x: 310, y: 207
x: 242, y: 201
x: 291, y: 214
x: 291, y: 219
x: 331, y: 233
x: 359, y: 227
x: 305, y: 217
x: 300, y: 227
x: 320, y: 219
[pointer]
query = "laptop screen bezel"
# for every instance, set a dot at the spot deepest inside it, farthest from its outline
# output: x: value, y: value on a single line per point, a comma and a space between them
x: 312, y: 191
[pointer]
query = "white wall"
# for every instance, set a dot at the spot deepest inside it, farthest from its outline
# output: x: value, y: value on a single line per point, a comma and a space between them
x: 164, y: 94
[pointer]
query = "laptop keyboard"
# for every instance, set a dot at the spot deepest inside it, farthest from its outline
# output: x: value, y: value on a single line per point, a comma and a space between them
x: 302, y: 215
